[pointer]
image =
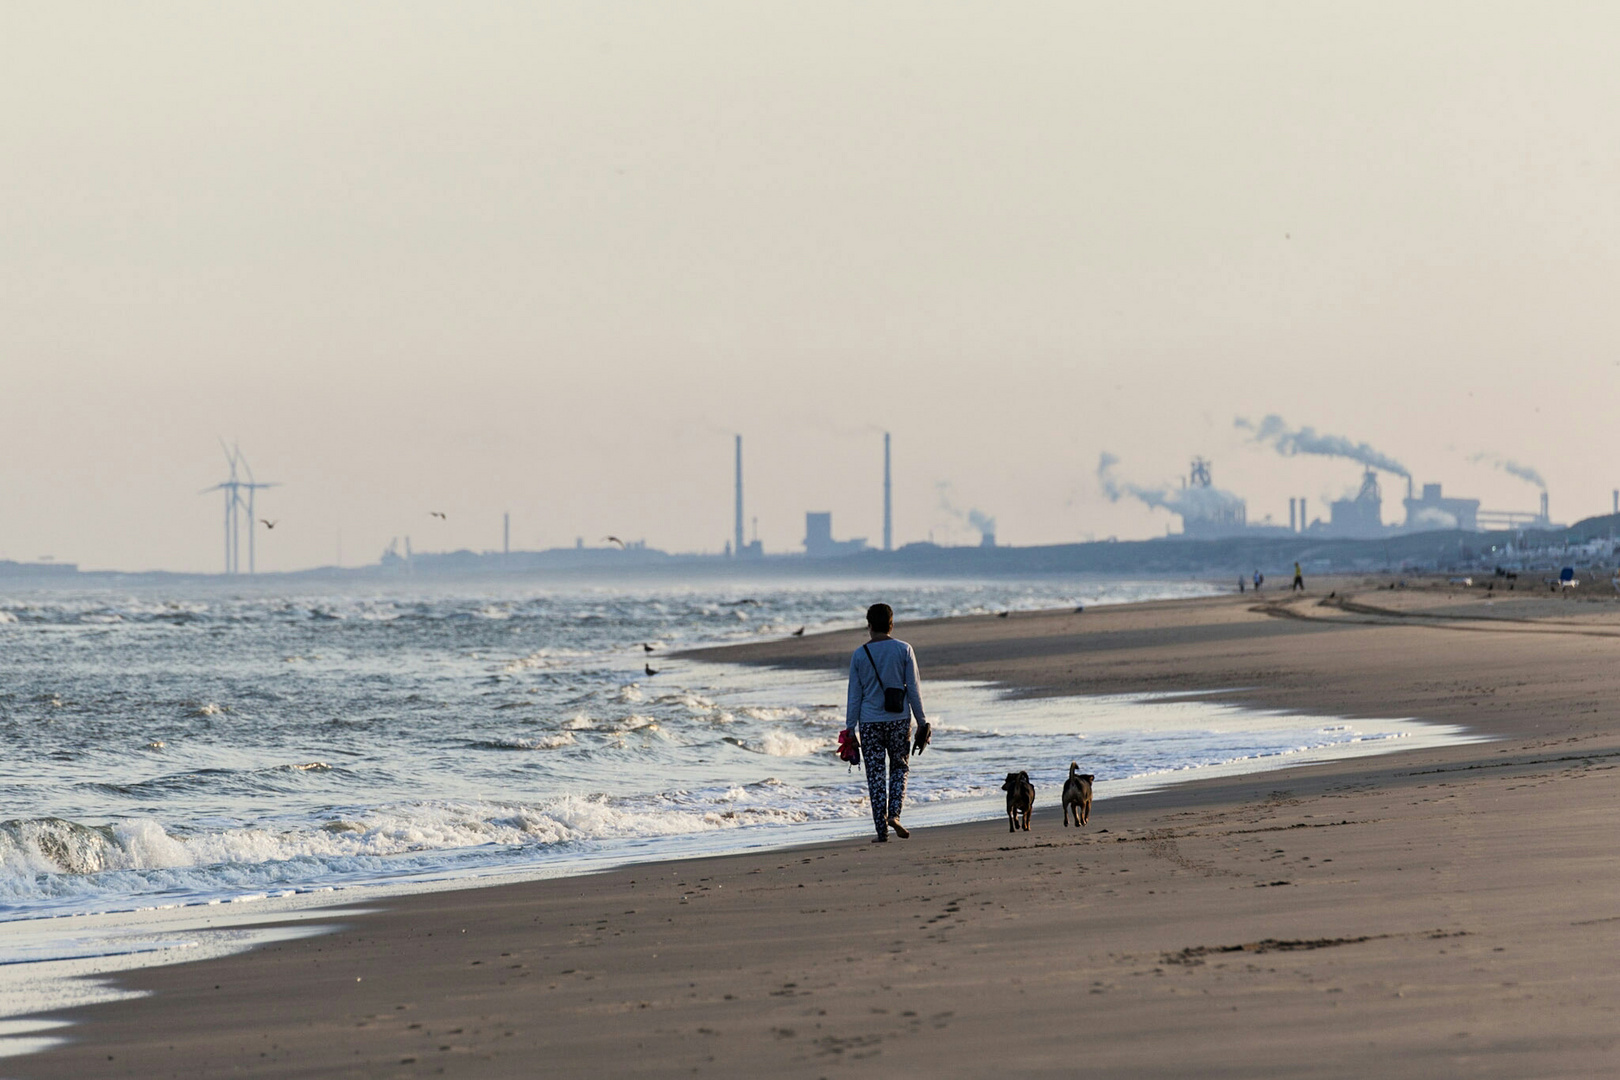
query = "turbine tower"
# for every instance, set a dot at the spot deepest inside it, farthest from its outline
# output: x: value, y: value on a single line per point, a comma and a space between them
x: 236, y: 507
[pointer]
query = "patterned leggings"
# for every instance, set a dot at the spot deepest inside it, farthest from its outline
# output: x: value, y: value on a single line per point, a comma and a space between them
x: 891, y: 737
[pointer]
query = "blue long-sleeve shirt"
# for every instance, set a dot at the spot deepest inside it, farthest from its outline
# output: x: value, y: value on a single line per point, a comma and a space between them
x: 896, y: 667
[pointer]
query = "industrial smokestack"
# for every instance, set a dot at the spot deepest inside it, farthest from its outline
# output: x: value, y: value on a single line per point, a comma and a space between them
x: 1291, y: 526
x: 1545, y: 516
x: 888, y: 509
x: 1617, y: 500
x: 736, y: 548
x: 506, y: 534
x: 1302, y: 513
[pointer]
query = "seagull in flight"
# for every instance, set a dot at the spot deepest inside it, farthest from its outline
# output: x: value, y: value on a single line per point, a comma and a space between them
x: 614, y: 540
x: 440, y: 514
x: 267, y: 523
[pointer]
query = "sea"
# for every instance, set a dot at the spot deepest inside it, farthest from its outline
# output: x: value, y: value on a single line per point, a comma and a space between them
x: 183, y: 747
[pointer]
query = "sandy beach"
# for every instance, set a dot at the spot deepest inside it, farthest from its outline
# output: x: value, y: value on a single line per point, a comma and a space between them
x: 1441, y: 912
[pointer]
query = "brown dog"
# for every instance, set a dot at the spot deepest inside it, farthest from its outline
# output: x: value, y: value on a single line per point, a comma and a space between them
x: 1077, y: 795
x: 1020, y: 799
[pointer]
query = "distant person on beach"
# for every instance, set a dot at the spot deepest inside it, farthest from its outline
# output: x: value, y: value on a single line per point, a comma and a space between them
x: 1299, y: 580
x: 883, y: 697
x: 1240, y: 583
x: 1259, y: 580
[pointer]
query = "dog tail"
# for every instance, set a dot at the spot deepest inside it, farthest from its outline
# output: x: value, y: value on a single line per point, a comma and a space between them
x: 1074, y: 767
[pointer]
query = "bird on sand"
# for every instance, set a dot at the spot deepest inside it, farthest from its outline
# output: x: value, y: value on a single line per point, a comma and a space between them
x: 649, y: 669
x: 440, y: 514
x: 267, y: 523
x: 1004, y: 614
x: 614, y: 540
x: 648, y: 647
x: 799, y: 632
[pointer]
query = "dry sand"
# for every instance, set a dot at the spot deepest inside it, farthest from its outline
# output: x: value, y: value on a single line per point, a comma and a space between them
x: 1440, y: 912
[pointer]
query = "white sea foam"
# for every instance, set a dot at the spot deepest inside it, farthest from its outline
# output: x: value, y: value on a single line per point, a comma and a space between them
x: 776, y: 743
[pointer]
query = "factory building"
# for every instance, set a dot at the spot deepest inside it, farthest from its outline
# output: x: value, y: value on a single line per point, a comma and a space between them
x: 818, y: 538
x: 1206, y: 511
x: 1435, y: 511
x: 1362, y: 515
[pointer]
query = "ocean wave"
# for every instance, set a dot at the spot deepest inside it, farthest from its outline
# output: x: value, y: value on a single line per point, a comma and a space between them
x: 544, y: 658
x: 46, y: 857
x: 268, y: 779
x: 549, y: 742
x: 782, y: 744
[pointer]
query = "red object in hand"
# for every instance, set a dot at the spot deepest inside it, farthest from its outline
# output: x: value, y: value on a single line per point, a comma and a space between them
x: 848, y: 748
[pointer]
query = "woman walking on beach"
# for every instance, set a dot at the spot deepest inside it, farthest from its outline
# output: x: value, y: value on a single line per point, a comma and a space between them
x: 883, y: 697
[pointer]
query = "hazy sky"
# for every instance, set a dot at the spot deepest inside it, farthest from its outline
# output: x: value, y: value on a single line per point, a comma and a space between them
x: 548, y: 257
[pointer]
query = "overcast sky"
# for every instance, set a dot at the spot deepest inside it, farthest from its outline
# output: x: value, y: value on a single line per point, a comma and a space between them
x: 547, y: 258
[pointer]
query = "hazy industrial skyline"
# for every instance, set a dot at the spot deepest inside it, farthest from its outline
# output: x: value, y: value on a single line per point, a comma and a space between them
x: 548, y: 261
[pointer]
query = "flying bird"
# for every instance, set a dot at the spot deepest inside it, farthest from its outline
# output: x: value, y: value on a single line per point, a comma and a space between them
x: 649, y: 669
x: 799, y: 632
x: 440, y: 514
x: 614, y: 540
x: 267, y: 523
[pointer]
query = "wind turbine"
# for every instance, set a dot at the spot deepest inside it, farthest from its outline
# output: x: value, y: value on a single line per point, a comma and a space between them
x: 235, y: 507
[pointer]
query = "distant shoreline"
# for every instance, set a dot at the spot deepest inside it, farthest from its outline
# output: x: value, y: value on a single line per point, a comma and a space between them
x: 1161, y: 556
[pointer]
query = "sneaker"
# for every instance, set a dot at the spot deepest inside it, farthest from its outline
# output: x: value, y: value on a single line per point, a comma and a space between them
x: 899, y: 830
x: 880, y: 839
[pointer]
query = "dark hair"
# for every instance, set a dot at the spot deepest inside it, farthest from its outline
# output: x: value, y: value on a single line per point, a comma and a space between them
x: 880, y: 617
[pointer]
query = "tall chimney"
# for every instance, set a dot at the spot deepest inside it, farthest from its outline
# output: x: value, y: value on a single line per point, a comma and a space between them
x: 1546, y: 518
x: 888, y: 511
x: 736, y: 548
x: 1291, y: 526
x: 1617, y: 500
x: 1302, y: 513
x: 506, y: 534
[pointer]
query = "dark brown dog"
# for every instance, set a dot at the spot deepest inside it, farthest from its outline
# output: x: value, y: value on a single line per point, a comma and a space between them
x: 1077, y: 795
x: 1020, y: 799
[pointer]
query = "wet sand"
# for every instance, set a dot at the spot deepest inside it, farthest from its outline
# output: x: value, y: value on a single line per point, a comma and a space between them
x: 1452, y: 911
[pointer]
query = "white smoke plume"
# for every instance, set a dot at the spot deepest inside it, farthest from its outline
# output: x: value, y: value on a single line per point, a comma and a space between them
x: 1512, y: 468
x: 1195, y: 502
x: 976, y: 519
x: 1306, y: 440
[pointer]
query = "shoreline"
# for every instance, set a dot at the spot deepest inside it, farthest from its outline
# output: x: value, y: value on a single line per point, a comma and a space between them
x: 1063, y: 916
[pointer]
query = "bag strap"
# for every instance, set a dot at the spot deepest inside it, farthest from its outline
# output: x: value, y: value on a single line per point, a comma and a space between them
x: 868, y: 650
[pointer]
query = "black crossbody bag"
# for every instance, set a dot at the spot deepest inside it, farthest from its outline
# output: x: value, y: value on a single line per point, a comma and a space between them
x: 894, y: 697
